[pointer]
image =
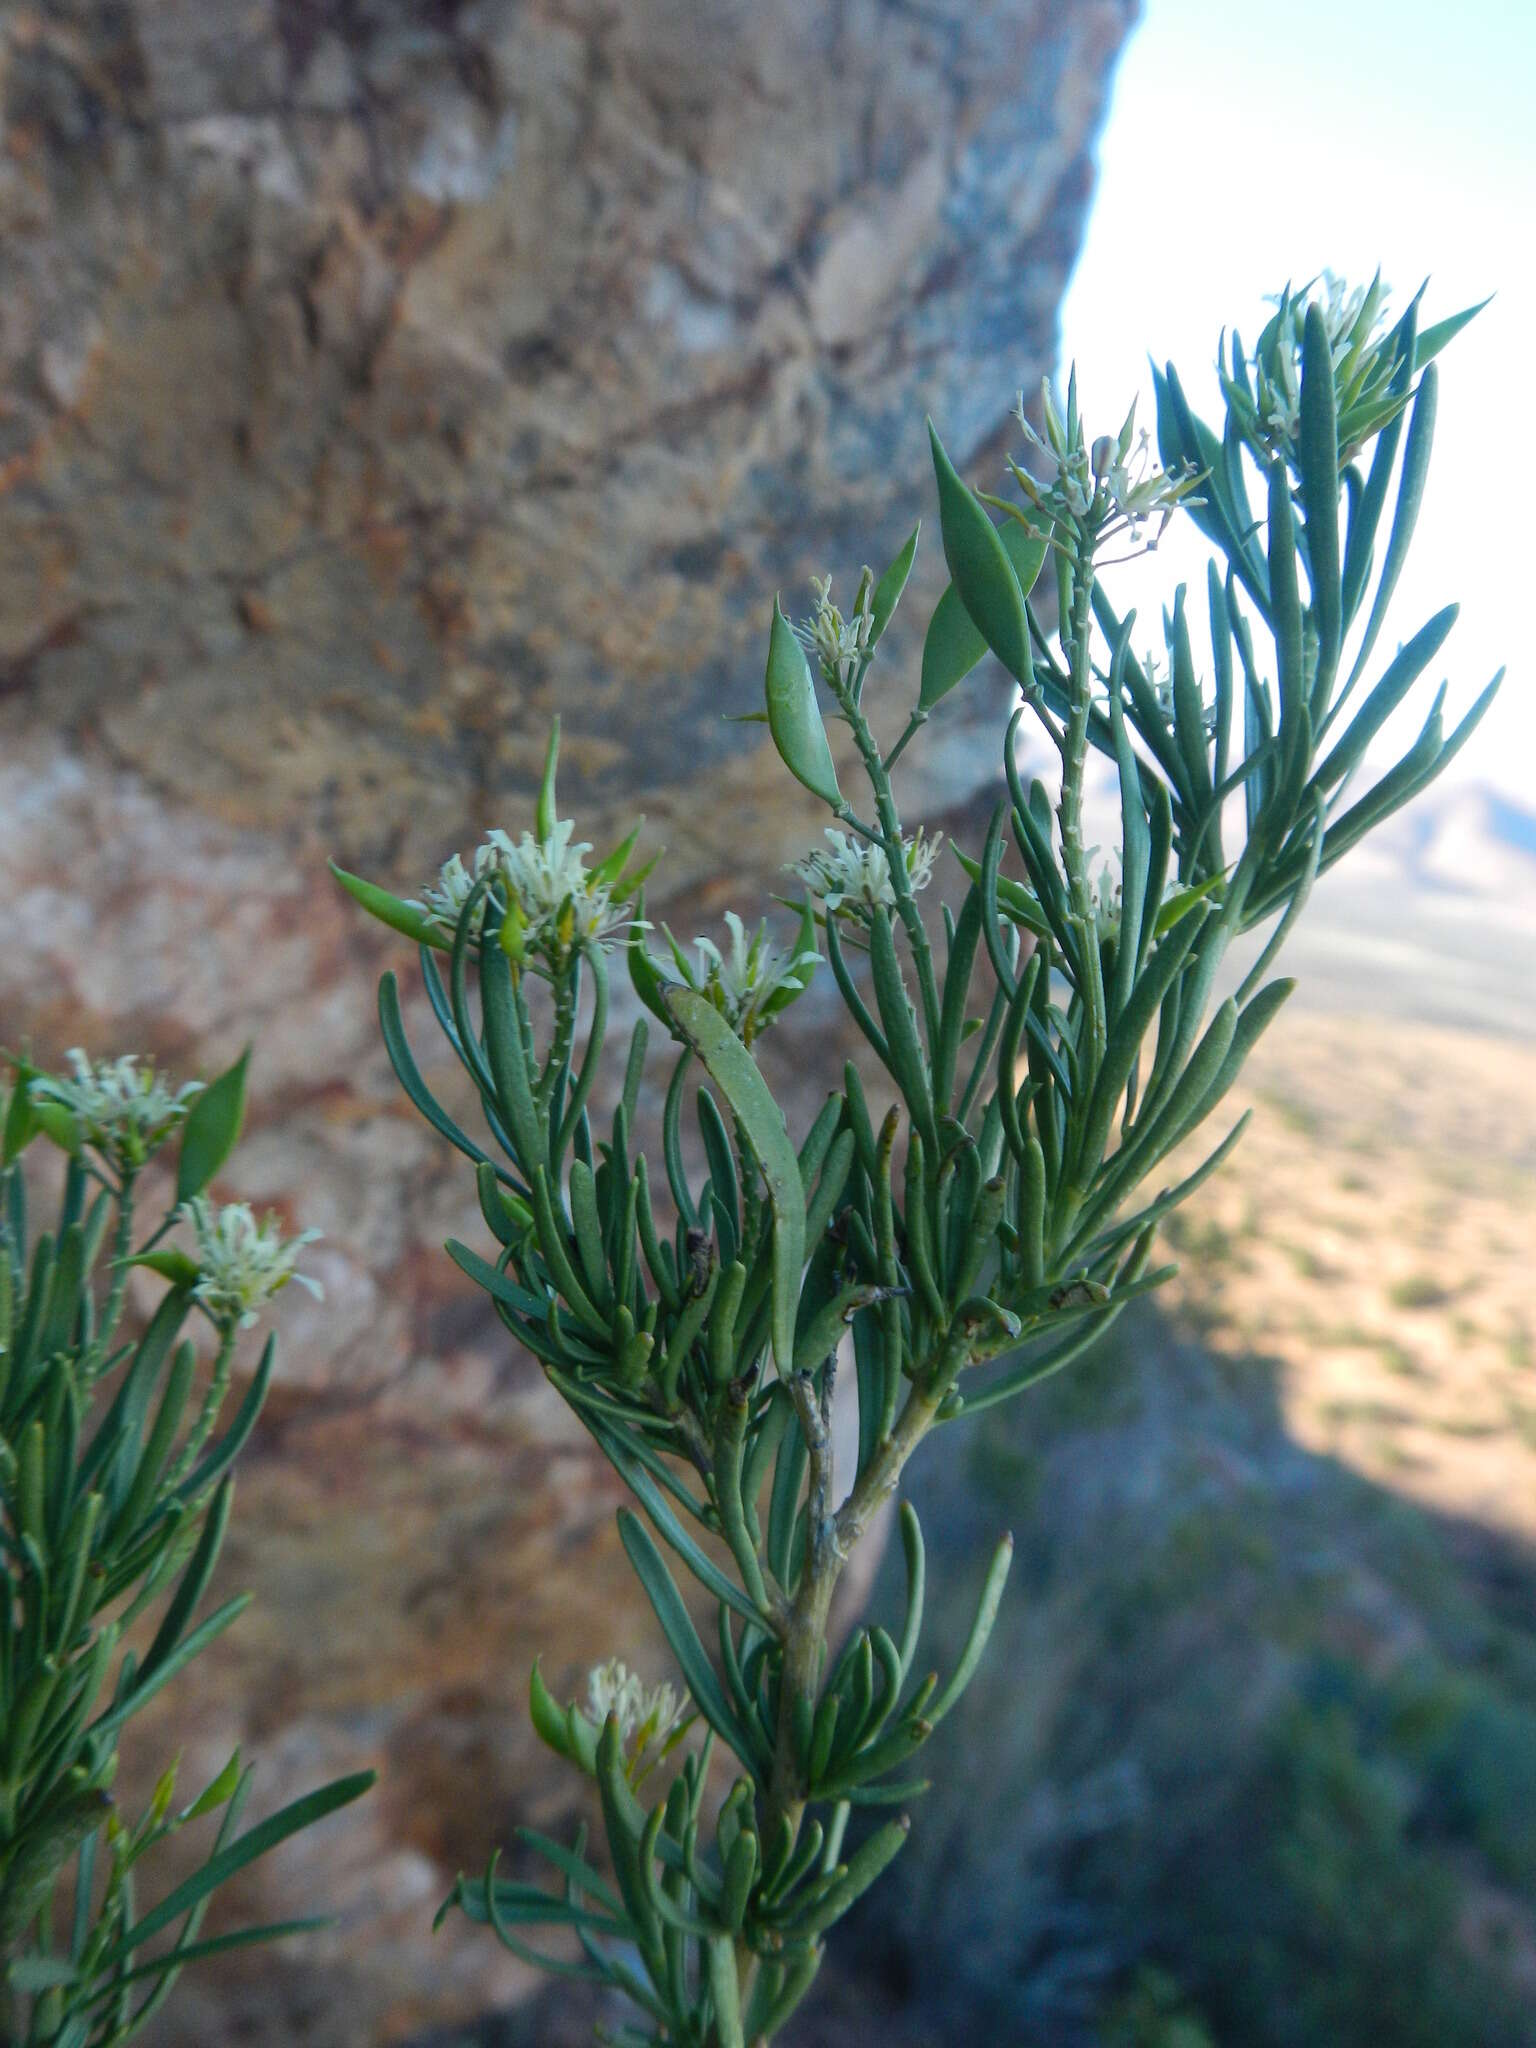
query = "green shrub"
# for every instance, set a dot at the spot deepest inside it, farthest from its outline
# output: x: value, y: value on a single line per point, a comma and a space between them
x: 115, y: 1491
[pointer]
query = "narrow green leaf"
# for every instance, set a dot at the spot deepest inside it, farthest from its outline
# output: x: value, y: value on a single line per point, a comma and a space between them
x: 783, y: 1501
x: 731, y: 1067
x: 559, y: 1727
x: 157, y: 1445
x: 981, y: 1629
x: 409, y: 918
x: 212, y: 1126
x: 863, y: 1867
x: 176, y: 1266
x: 229, y: 1446
x: 1318, y: 456
x: 504, y: 1049
x: 1178, y: 906
x: 957, y: 977
x: 709, y: 1575
x: 498, y: 1283
x: 1286, y: 601
x: 544, y: 815
x: 645, y: 977
x: 908, y: 1066
x: 1405, y: 513
x: 217, y: 1944
x: 917, y: 1579
x: 1124, y: 1043
x: 677, y: 1626
x: 408, y: 1074
x: 725, y: 1990
x: 257, y: 1841
x: 193, y: 1582
x: 1433, y: 339
x: 33, y: 1975
x: 1135, y: 840
x: 1189, y: 711
x: 888, y: 590
x: 221, y: 1790
x: 993, y: 571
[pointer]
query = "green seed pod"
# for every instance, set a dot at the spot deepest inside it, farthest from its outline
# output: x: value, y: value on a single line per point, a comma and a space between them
x: 794, y: 718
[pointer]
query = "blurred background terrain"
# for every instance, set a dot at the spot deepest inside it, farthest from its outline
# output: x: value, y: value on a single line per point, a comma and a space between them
x: 378, y: 377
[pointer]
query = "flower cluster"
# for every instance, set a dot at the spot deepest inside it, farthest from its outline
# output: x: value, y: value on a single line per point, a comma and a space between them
x: 1160, y: 682
x: 644, y: 1716
x: 241, y: 1262
x: 444, y: 899
x: 552, y: 902
x: 752, y: 981
x: 1106, y: 886
x: 852, y: 877
x: 1115, y: 485
x: 1267, y: 404
x: 123, y: 1110
x: 840, y: 647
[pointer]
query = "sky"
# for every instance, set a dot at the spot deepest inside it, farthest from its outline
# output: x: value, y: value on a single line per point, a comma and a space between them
x: 1247, y: 145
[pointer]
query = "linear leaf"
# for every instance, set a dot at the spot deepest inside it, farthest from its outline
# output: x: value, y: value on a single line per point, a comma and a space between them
x: 677, y: 1626
x: 733, y: 1070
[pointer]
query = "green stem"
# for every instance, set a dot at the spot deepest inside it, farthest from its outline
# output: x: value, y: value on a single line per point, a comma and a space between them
x: 890, y: 839
x: 805, y: 1626
x: 117, y: 1293
x: 562, y: 1038
x: 914, y: 725
x: 208, y: 1414
x: 882, y: 1474
x: 831, y: 1541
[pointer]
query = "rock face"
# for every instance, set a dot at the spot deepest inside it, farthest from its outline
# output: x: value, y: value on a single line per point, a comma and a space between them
x: 377, y: 378
x: 381, y: 377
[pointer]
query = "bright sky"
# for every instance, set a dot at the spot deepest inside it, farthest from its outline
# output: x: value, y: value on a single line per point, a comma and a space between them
x: 1249, y: 144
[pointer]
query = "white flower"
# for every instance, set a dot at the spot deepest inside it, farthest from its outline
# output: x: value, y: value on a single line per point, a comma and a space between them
x: 1160, y: 682
x: 1105, y: 886
x: 840, y: 646
x: 1341, y: 308
x: 853, y: 876
x: 644, y: 1716
x: 1114, y: 485
x: 1070, y: 482
x: 1279, y: 395
x: 558, y: 904
x: 444, y: 899
x: 123, y: 1110
x: 242, y: 1263
x: 751, y: 982
x: 1352, y: 319
x: 559, y: 900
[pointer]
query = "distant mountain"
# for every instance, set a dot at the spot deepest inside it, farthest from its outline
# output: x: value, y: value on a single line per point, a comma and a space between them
x: 1433, y: 918
x: 1514, y: 823
x: 1466, y: 837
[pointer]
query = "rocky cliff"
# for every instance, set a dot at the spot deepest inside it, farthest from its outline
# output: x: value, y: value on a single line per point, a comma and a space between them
x: 375, y: 379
